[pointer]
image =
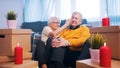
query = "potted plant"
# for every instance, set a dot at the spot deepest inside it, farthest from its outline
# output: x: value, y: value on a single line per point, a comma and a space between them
x: 11, y: 19
x: 96, y: 41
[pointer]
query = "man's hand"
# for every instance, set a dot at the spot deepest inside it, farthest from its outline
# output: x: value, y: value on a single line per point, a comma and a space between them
x: 64, y: 42
x: 58, y: 42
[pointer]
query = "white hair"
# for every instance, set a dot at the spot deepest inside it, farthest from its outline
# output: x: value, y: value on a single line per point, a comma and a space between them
x: 77, y: 13
x: 51, y: 19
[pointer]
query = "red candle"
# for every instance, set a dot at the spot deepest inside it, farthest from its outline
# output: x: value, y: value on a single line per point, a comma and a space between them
x: 105, y: 56
x: 106, y: 21
x: 18, y: 54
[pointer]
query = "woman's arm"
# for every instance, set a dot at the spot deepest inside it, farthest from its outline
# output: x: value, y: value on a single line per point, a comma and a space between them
x: 59, y: 30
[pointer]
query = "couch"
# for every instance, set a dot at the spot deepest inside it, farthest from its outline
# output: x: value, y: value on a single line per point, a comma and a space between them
x: 38, y: 26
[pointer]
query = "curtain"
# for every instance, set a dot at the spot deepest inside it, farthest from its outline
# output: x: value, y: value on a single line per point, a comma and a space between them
x: 63, y: 9
x: 113, y: 11
x: 37, y: 10
x: 41, y: 10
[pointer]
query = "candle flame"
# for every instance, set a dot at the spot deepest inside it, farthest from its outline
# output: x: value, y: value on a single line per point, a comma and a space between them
x: 105, y: 44
x: 18, y: 44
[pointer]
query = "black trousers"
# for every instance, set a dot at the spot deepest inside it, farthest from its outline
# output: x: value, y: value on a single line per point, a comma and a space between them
x: 39, y: 54
x: 63, y: 56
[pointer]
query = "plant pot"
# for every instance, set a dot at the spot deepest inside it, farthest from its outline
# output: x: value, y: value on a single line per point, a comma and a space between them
x: 95, y: 55
x: 11, y: 24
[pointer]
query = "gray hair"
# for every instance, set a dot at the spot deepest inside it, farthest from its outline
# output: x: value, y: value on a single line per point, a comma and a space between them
x: 51, y: 19
x: 77, y: 13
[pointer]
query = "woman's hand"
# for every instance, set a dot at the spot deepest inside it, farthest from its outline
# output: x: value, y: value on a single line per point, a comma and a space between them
x: 68, y: 22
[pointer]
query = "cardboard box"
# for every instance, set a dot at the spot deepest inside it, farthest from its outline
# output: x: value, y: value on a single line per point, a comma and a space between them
x: 88, y: 64
x: 27, y: 56
x: 26, y: 64
x: 4, y: 59
x: 112, y: 37
x: 9, y: 39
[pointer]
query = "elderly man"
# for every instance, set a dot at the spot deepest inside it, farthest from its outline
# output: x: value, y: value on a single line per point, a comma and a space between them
x: 68, y: 47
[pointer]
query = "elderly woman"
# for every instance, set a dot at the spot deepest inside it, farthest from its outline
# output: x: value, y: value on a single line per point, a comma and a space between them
x: 52, y: 30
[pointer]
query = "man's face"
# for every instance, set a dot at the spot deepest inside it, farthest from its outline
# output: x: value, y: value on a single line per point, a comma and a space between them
x: 76, y: 20
x: 55, y: 24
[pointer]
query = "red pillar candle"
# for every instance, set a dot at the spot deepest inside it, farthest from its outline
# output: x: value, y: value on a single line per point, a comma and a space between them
x: 105, y: 56
x: 106, y: 21
x: 18, y: 54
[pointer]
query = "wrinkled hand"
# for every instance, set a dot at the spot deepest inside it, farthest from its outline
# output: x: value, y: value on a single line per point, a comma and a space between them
x: 64, y: 42
x: 58, y: 42
x: 68, y: 22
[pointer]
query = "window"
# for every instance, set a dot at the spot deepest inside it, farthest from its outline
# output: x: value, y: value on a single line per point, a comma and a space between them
x: 89, y: 8
x: 43, y: 9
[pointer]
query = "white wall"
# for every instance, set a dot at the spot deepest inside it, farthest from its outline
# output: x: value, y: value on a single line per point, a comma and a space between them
x: 7, y: 5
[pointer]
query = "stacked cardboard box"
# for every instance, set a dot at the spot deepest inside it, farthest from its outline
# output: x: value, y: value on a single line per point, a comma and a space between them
x: 26, y: 64
x: 8, y: 41
x: 8, y: 62
x: 3, y: 59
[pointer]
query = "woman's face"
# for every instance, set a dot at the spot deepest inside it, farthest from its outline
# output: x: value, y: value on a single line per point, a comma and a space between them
x: 76, y: 20
x: 55, y: 24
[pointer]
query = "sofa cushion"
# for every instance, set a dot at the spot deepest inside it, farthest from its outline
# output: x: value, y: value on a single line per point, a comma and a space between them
x: 34, y: 26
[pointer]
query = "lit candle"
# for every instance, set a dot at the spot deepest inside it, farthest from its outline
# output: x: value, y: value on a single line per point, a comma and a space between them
x: 105, y: 56
x: 18, y: 54
x: 106, y: 21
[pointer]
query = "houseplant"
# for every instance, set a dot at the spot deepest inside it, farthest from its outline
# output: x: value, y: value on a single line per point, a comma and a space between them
x: 11, y: 19
x: 96, y: 41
